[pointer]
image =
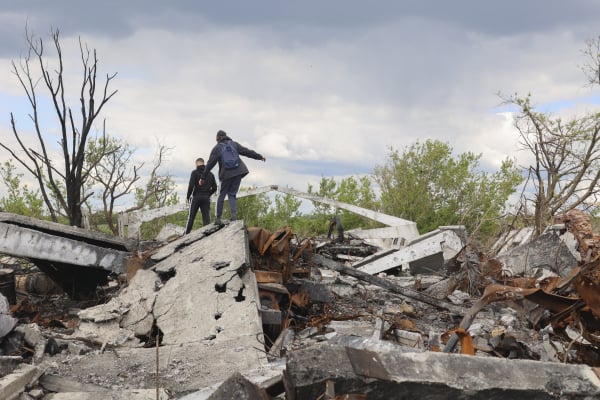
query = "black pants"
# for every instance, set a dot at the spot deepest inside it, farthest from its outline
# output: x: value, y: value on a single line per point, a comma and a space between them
x: 203, y: 203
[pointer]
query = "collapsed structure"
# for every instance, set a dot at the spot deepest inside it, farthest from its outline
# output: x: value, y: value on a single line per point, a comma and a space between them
x: 240, y: 312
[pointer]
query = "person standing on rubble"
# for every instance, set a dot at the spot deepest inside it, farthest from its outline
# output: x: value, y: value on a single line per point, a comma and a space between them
x: 198, y: 194
x: 230, y: 177
x: 336, y: 222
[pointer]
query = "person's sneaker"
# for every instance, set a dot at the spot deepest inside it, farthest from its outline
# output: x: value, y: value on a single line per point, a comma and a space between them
x: 218, y: 221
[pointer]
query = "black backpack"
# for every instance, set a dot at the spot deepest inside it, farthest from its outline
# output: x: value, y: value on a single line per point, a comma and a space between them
x: 230, y: 157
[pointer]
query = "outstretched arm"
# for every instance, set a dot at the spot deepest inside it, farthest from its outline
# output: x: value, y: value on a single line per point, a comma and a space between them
x: 244, y: 151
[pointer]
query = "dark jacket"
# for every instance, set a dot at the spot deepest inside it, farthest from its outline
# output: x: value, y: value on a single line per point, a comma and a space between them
x: 215, y: 157
x: 207, y: 188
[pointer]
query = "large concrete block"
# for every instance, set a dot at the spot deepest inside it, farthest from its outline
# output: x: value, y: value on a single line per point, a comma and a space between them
x: 387, y: 375
x: 12, y: 385
x: 213, y: 292
x: 136, y: 394
x: 240, y: 388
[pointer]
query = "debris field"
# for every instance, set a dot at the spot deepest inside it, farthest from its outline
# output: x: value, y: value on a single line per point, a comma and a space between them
x: 239, y: 312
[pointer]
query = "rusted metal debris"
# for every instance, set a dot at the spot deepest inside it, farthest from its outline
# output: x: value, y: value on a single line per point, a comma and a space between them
x: 274, y: 267
x: 566, y: 308
x: 560, y: 305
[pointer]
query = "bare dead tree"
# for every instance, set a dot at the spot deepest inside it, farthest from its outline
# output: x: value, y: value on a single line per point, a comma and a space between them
x: 158, y: 190
x: 566, y: 166
x: 61, y: 181
x: 111, y: 168
x: 591, y: 66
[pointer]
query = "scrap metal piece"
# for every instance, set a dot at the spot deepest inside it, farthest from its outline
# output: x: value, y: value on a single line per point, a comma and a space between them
x: 274, y: 250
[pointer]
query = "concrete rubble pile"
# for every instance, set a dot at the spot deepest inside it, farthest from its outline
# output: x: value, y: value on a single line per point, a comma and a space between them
x: 239, y: 312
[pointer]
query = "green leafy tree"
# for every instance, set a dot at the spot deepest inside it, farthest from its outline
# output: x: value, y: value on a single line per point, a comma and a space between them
x: 19, y: 198
x: 251, y: 209
x: 351, y: 190
x: 430, y: 186
x: 284, y: 212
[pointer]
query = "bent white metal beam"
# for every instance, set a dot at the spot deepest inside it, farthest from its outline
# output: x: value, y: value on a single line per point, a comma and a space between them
x: 409, y: 230
x: 406, y: 229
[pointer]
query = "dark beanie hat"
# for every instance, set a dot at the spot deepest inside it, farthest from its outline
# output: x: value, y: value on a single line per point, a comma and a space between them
x: 221, y: 134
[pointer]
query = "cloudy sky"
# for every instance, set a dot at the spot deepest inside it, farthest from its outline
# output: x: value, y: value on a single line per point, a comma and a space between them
x: 320, y: 88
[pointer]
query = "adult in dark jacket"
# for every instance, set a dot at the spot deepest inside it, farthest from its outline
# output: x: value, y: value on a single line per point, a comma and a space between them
x: 230, y: 178
x: 198, y: 194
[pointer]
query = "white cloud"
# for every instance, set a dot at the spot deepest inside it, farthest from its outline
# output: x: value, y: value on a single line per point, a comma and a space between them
x: 320, y: 100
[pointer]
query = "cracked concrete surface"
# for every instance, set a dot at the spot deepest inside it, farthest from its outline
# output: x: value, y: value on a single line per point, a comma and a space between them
x: 207, y: 311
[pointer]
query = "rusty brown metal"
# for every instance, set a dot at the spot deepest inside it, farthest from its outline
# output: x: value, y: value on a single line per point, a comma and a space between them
x: 273, y: 250
x: 37, y: 283
x: 300, y: 299
x: 589, y: 292
x: 466, y: 342
x: 268, y: 277
x: 257, y: 238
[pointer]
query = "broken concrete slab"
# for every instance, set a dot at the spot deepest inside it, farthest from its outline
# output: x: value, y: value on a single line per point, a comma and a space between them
x: 12, y: 385
x: 267, y: 379
x: 107, y: 333
x: 140, y: 296
x: 553, y: 250
x: 512, y: 239
x: 171, y: 248
x: 207, y: 314
x: 130, y: 223
x: 238, y: 387
x: 35, y: 245
x: 170, y: 232
x: 77, y: 259
x: 131, y: 311
x: 69, y: 232
x: 55, y: 383
x: 383, y: 375
x: 134, y: 394
x: 7, y: 322
x: 423, y: 255
x: 213, y: 292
